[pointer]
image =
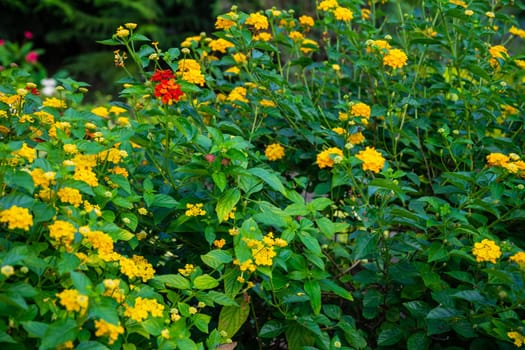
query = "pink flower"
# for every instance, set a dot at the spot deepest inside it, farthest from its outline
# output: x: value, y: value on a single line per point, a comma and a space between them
x: 32, y: 57
x: 28, y: 35
x: 2, y: 42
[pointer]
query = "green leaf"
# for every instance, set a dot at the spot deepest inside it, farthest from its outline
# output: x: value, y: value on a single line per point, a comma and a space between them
x: 310, y: 242
x: 121, y: 181
x: 174, y: 281
x: 437, y: 252
x: 442, y: 313
x: 215, y: 258
x: 104, y: 308
x: 81, y: 282
x: 205, y: 282
x: 122, y: 202
x: 6, y: 338
x: 35, y: 329
x: 232, y: 318
x: 58, y: 333
x: 201, y: 321
x: 313, y: 290
x: 163, y: 201
x: 154, y: 325
x: 298, y: 336
x: 227, y: 202
x: 271, y: 179
x: 418, y: 341
x: 331, y: 286
x: 389, y: 336
x: 110, y: 42
x: 320, y: 203
x: 20, y: 179
x: 95, y: 345
x: 272, y: 329
x: 221, y: 298
x: 186, y: 344
x: 220, y: 180
x: 470, y: 295
x: 130, y: 220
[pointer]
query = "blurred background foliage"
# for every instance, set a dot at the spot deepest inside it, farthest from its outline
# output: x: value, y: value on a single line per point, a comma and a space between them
x: 68, y: 30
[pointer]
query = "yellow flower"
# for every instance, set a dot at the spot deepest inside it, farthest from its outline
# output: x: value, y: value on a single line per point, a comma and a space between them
x: 190, y: 71
x: 190, y: 40
x: 356, y: 138
x: 306, y: 21
x: 142, y: 308
x: 343, y: 14
x: 326, y: 5
x: 360, y: 109
x: 7, y: 271
x: 72, y: 300
x: 372, y: 159
x: 381, y: 46
x: 122, y: 32
x: 296, y: 36
x: 339, y: 130
x: 325, y: 159
x: 100, y: 241
x: 41, y: 178
x: 219, y: 243
x: 263, y: 36
x: 490, y: 14
x: 274, y: 152
x: 70, y: 195
x: 308, y: 45
x: 137, y: 266
x: 130, y: 25
x: 195, y: 209
x: 17, y: 217
x: 486, y: 250
x: 497, y: 159
x: 165, y: 333
x: 258, y: 21
x: 226, y: 21
x: 239, y: 58
x: 497, y: 52
x: 517, y: 31
x: 458, y: 3
x: 395, y: 58
x: 238, y: 94
x: 54, y: 102
x: 517, y: 338
x: 519, y: 258
x: 62, y: 232
x: 26, y: 152
x: 104, y: 328
x: 220, y: 45
x: 267, y: 103
x: 187, y: 270
x: 365, y: 13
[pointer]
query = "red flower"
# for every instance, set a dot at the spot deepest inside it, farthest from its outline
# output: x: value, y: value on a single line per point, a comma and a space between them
x: 32, y: 57
x: 168, y: 91
x: 161, y: 75
x: 28, y: 35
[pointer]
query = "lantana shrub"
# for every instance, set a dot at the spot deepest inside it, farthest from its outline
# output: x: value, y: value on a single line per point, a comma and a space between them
x: 345, y: 179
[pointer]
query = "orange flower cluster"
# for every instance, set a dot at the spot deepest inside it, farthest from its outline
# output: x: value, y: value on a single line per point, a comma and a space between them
x: 167, y: 90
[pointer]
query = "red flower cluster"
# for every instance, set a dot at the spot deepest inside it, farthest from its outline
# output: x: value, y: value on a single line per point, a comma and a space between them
x: 166, y: 89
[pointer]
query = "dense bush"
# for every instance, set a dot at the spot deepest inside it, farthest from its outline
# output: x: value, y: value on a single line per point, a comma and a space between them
x: 353, y: 180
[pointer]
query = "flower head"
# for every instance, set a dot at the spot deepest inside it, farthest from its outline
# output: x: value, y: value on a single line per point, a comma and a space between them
x: 17, y: 217
x: 258, y: 21
x: 395, y: 58
x: 372, y: 159
x: 274, y: 152
x: 325, y: 159
x: 486, y: 250
x: 72, y: 300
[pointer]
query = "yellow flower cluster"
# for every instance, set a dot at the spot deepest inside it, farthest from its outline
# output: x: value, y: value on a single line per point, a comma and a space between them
x: 497, y: 52
x: 54, y: 103
x: 274, y: 152
x: 238, y: 94
x: 486, y: 250
x: 327, y: 5
x: 195, y: 209
x: 104, y: 328
x: 395, y: 58
x: 372, y: 159
x: 226, y: 21
x: 343, y: 14
x: 361, y: 109
x: 142, y: 308
x: 62, y: 232
x: 187, y: 270
x: 100, y: 241
x: 258, y: 21
x: 26, y: 152
x: 306, y: 21
x: 190, y: 70
x: 112, y: 289
x: 517, y: 31
x: 263, y: 36
x: 219, y: 243
x: 70, y: 195
x: 137, y: 266
x: 17, y: 217
x: 512, y: 162
x: 84, y: 165
x: 263, y: 251
x: 356, y: 138
x: 326, y: 158
x: 458, y: 3
x: 517, y: 338
x: 519, y: 258
x: 72, y: 300
x: 220, y: 45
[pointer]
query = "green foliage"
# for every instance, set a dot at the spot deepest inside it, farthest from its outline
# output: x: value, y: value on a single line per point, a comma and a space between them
x: 335, y: 184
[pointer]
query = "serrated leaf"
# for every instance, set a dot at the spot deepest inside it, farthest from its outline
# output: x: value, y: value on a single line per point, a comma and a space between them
x: 272, y: 329
x: 130, y: 220
x: 58, y: 333
x: 389, y: 336
x: 205, y: 282
x: 232, y: 318
x: 418, y: 341
x: 201, y: 321
x: 81, y: 282
x: 271, y: 179
x: 227, y: 202
x: 221, y: 298
x: 216, y: 258
x: 163, y: 201
x: 220, y: 180
x: 174, y: 281
x: 442, y: 313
